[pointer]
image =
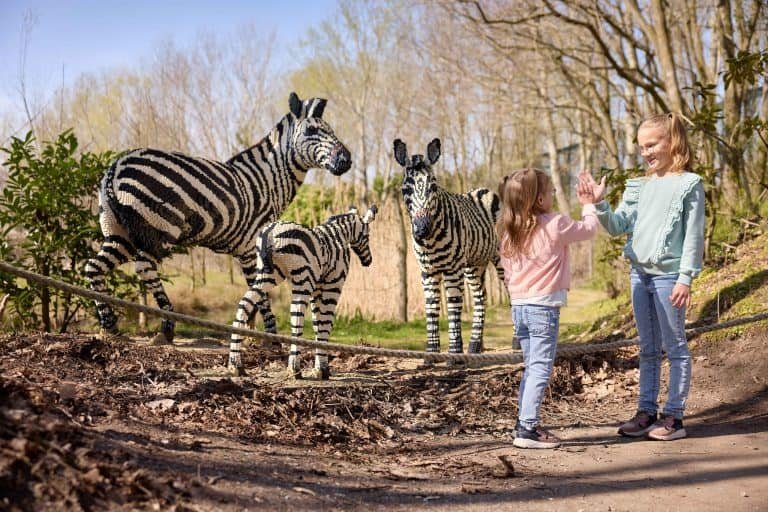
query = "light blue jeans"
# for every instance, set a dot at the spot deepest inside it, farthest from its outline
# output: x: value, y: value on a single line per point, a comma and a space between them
x: 661, y: 327
x: 536, y: 329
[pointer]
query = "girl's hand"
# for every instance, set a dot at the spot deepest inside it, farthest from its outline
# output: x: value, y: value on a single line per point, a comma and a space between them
x: 681, y: 295
x: 598, y: 189
x: 584, y: 192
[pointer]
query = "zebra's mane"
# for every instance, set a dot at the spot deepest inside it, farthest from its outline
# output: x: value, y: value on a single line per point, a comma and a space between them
x: 272, y: 138
x: 338, y: 220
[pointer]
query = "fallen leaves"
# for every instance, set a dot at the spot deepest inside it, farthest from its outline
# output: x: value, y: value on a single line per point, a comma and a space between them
x: 53, y: 389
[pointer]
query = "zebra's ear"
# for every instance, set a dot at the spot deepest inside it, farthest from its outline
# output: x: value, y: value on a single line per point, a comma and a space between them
x: 295, y: 104
x: 315, y: 107
x: 370, y: 214
x: 401, y: 152
x: 352, y: 209
x: 433, y: 151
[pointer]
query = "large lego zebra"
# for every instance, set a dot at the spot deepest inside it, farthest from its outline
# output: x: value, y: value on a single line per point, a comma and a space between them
x: 315, y: 262
x: 152, y: 201
x: 454, y: 239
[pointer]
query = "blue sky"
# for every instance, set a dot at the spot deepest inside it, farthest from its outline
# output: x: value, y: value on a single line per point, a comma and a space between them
x: 96, y: 35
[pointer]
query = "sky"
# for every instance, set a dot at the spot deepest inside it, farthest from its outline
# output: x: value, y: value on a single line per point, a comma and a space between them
x: 70, y: 37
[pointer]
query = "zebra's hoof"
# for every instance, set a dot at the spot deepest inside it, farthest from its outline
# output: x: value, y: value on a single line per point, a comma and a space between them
x: 160, y: 340
x: 321, y: 373
x: 236, y: 371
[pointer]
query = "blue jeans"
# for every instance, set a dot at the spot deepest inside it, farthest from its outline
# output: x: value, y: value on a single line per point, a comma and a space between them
x: 660, y: 327
x: 536, y: 329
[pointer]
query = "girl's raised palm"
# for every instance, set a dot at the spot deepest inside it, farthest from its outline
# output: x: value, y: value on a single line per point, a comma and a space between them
x: 598, y: 189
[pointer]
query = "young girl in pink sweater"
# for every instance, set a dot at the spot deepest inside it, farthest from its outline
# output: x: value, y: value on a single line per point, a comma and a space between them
x: 534, y: 253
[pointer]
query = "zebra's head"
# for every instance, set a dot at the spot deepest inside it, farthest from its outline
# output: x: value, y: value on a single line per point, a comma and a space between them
x: 419, y: 186
x: 314, y: 141
x: 359, y: 239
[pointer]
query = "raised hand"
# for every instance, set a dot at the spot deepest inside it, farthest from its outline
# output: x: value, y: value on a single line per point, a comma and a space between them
x: 597, y: 189
x: 584, y: 191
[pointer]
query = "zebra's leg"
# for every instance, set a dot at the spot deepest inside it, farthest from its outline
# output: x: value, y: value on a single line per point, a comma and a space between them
x: 454, y: 297
x: 299, y: 301
x: 146, y: 269
x: 245, y: 310
x: 474, y: 277
x: 115, y: 250
x: 270, y: 323
x: 431, y: 284
x: 323, y: 314
x: 265, y: 310
x: 255, y: 272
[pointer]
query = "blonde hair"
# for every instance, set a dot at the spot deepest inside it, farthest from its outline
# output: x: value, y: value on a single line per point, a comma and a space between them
x: 519, y: 193
x: 678, y: 138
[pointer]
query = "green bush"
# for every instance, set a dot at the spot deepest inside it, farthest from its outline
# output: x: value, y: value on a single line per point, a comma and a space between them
x: 48, y: 222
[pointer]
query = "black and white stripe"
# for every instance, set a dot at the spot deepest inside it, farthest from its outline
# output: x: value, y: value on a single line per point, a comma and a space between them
x: 316, y: 263
x: 454, y: 239
x: 152, y: 201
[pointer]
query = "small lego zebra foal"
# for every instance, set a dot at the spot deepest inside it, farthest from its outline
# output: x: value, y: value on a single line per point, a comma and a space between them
x: 316, y: 262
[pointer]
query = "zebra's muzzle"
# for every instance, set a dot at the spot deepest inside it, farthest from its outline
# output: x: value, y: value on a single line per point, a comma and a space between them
x: 421, y: 224
x: 340, y: 160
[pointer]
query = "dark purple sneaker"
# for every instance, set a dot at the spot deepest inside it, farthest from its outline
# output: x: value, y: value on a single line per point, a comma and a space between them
x: 639, y: 425
x: 668, y: 428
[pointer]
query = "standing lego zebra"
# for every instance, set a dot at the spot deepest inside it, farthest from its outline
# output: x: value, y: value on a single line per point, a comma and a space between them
x: 152, y: 201
x: 454, y: 238
x: 316, y: 262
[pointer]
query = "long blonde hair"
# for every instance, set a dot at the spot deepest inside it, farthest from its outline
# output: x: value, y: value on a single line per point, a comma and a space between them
x: 519, y: 193
x: 678, y: 137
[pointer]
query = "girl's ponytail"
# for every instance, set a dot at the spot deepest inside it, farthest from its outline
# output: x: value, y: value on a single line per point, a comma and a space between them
x: 517, y: 221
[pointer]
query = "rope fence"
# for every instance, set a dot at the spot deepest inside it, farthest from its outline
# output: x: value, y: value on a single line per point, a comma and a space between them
x: 564, y: 350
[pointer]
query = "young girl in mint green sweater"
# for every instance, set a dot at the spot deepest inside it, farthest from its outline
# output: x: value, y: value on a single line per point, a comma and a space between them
x: 663, y: 215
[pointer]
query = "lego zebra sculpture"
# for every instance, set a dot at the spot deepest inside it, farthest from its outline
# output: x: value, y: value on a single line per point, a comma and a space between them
x: 152, y: 201
x: 454, y: 238
x: 316, y: 262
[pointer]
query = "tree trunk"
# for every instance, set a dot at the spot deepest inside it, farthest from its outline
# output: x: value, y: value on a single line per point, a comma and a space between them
x: 3, y: 304
x: 402, y: 263
x: 191, y: 253
x: 733, y: 175
x: 663, y: 45
x: 45, y: 301
x: 203, y: 280
x: 142, y: 315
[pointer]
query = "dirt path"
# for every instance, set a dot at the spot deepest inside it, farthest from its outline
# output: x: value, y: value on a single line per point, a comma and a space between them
x: 721, y: 466
x: 91, y: 426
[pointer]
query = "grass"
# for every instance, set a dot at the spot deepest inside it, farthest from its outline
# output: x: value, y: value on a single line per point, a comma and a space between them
x: 215, y: 301
x: 587, y: 310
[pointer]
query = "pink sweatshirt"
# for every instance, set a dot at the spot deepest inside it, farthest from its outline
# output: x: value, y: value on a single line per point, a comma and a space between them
x: 546, y: 270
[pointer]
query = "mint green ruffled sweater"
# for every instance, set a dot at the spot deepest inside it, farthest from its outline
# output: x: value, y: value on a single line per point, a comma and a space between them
x: 664, y: 218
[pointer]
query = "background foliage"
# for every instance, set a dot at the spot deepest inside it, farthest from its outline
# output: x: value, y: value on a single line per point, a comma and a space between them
x: 556, y: 84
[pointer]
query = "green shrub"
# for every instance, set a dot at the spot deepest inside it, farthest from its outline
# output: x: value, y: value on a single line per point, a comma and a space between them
x: 48, y: 222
